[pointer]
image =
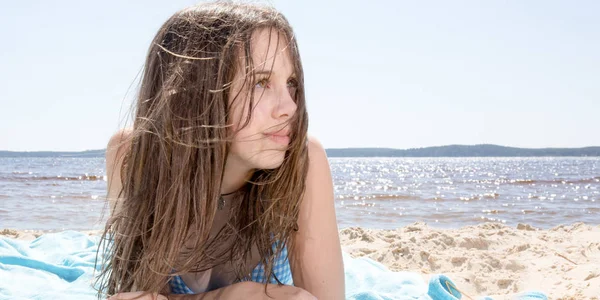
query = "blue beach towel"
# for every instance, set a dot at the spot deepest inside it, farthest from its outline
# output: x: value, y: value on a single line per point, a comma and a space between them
x: 53, y: 266
x: 61, y: 266
x: 369, y: 280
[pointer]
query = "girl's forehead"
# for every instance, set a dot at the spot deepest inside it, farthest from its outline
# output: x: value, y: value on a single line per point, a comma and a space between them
x: 270, y: 48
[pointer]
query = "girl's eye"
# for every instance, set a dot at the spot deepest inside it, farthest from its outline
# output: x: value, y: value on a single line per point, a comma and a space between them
x: 263, y: 83
x: 292, y: 83
x: 292, y: 86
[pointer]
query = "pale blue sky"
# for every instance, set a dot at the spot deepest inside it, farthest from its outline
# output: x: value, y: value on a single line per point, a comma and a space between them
x: 396, y: 74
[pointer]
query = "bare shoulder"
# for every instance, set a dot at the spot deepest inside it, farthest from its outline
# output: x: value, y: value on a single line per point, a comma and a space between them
x: 316, y: 153
x: 118, y: 142
x: 117, y: 146
x: 318, y: 180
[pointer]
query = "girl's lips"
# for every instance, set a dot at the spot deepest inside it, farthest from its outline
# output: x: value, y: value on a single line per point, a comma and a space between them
x: 279, y: 139
x: 281, y: 136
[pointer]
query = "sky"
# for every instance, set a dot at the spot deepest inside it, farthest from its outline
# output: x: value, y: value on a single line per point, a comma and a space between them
x: 397, y: 74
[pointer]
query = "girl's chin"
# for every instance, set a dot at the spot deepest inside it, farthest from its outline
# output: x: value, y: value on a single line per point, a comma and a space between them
x: 271, y: 161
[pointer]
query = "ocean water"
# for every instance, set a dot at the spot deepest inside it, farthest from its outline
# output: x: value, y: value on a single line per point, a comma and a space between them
x: 454, y: 192
x: 68, y: 193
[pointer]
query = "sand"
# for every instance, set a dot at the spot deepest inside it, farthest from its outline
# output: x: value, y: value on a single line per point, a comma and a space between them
x: 488, y: 259
x: 29, y: 235
x: 491, y: 259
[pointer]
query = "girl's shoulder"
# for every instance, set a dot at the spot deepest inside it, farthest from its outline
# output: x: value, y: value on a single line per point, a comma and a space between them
x: 117, y: 147
x: 118, y: 142
x: 318, y: 163
x: 315, y: 149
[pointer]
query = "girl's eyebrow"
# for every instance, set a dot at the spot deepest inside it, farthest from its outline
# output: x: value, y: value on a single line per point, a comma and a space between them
x: 262, y: 72
x: 270, y: 73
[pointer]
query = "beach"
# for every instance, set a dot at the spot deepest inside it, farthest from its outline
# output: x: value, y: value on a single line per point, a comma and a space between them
x: 492, y: 225
x: 490, y: 259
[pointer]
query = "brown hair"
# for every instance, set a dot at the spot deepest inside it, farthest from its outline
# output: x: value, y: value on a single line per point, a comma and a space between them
x: 172, y: 171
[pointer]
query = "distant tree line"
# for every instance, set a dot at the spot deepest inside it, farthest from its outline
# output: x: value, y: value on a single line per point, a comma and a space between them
x: 441, y: 151
x: 463, y: 151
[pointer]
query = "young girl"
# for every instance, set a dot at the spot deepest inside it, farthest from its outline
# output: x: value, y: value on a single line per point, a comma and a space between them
x: 216, y: 191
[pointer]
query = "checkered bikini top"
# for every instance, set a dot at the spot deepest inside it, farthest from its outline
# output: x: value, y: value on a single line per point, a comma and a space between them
x: 281, y: 270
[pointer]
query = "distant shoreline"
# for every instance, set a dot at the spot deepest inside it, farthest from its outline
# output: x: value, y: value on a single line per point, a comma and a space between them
x: 485, y: 150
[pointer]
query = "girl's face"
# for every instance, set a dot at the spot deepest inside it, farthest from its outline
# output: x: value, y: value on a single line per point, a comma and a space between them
x: 263, y: 142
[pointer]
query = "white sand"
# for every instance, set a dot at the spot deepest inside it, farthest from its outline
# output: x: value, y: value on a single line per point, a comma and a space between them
x: 491, y: 259
x: 488, y: 259
x: 29, y: 235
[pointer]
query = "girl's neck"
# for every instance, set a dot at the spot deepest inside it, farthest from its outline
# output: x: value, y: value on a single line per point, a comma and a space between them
x: 235, y: 175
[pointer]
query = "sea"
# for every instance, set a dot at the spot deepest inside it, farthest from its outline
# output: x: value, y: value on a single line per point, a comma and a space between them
x: 61, y: 193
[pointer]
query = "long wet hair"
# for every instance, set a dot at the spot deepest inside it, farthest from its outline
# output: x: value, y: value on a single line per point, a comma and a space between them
x: 172, y: 171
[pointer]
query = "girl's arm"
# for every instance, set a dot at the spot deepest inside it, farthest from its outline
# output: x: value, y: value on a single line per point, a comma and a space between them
x: 242, y: 290
x: 316, y: 260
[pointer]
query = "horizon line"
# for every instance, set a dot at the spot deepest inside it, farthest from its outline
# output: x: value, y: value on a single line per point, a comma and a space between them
x: 344, y: 148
